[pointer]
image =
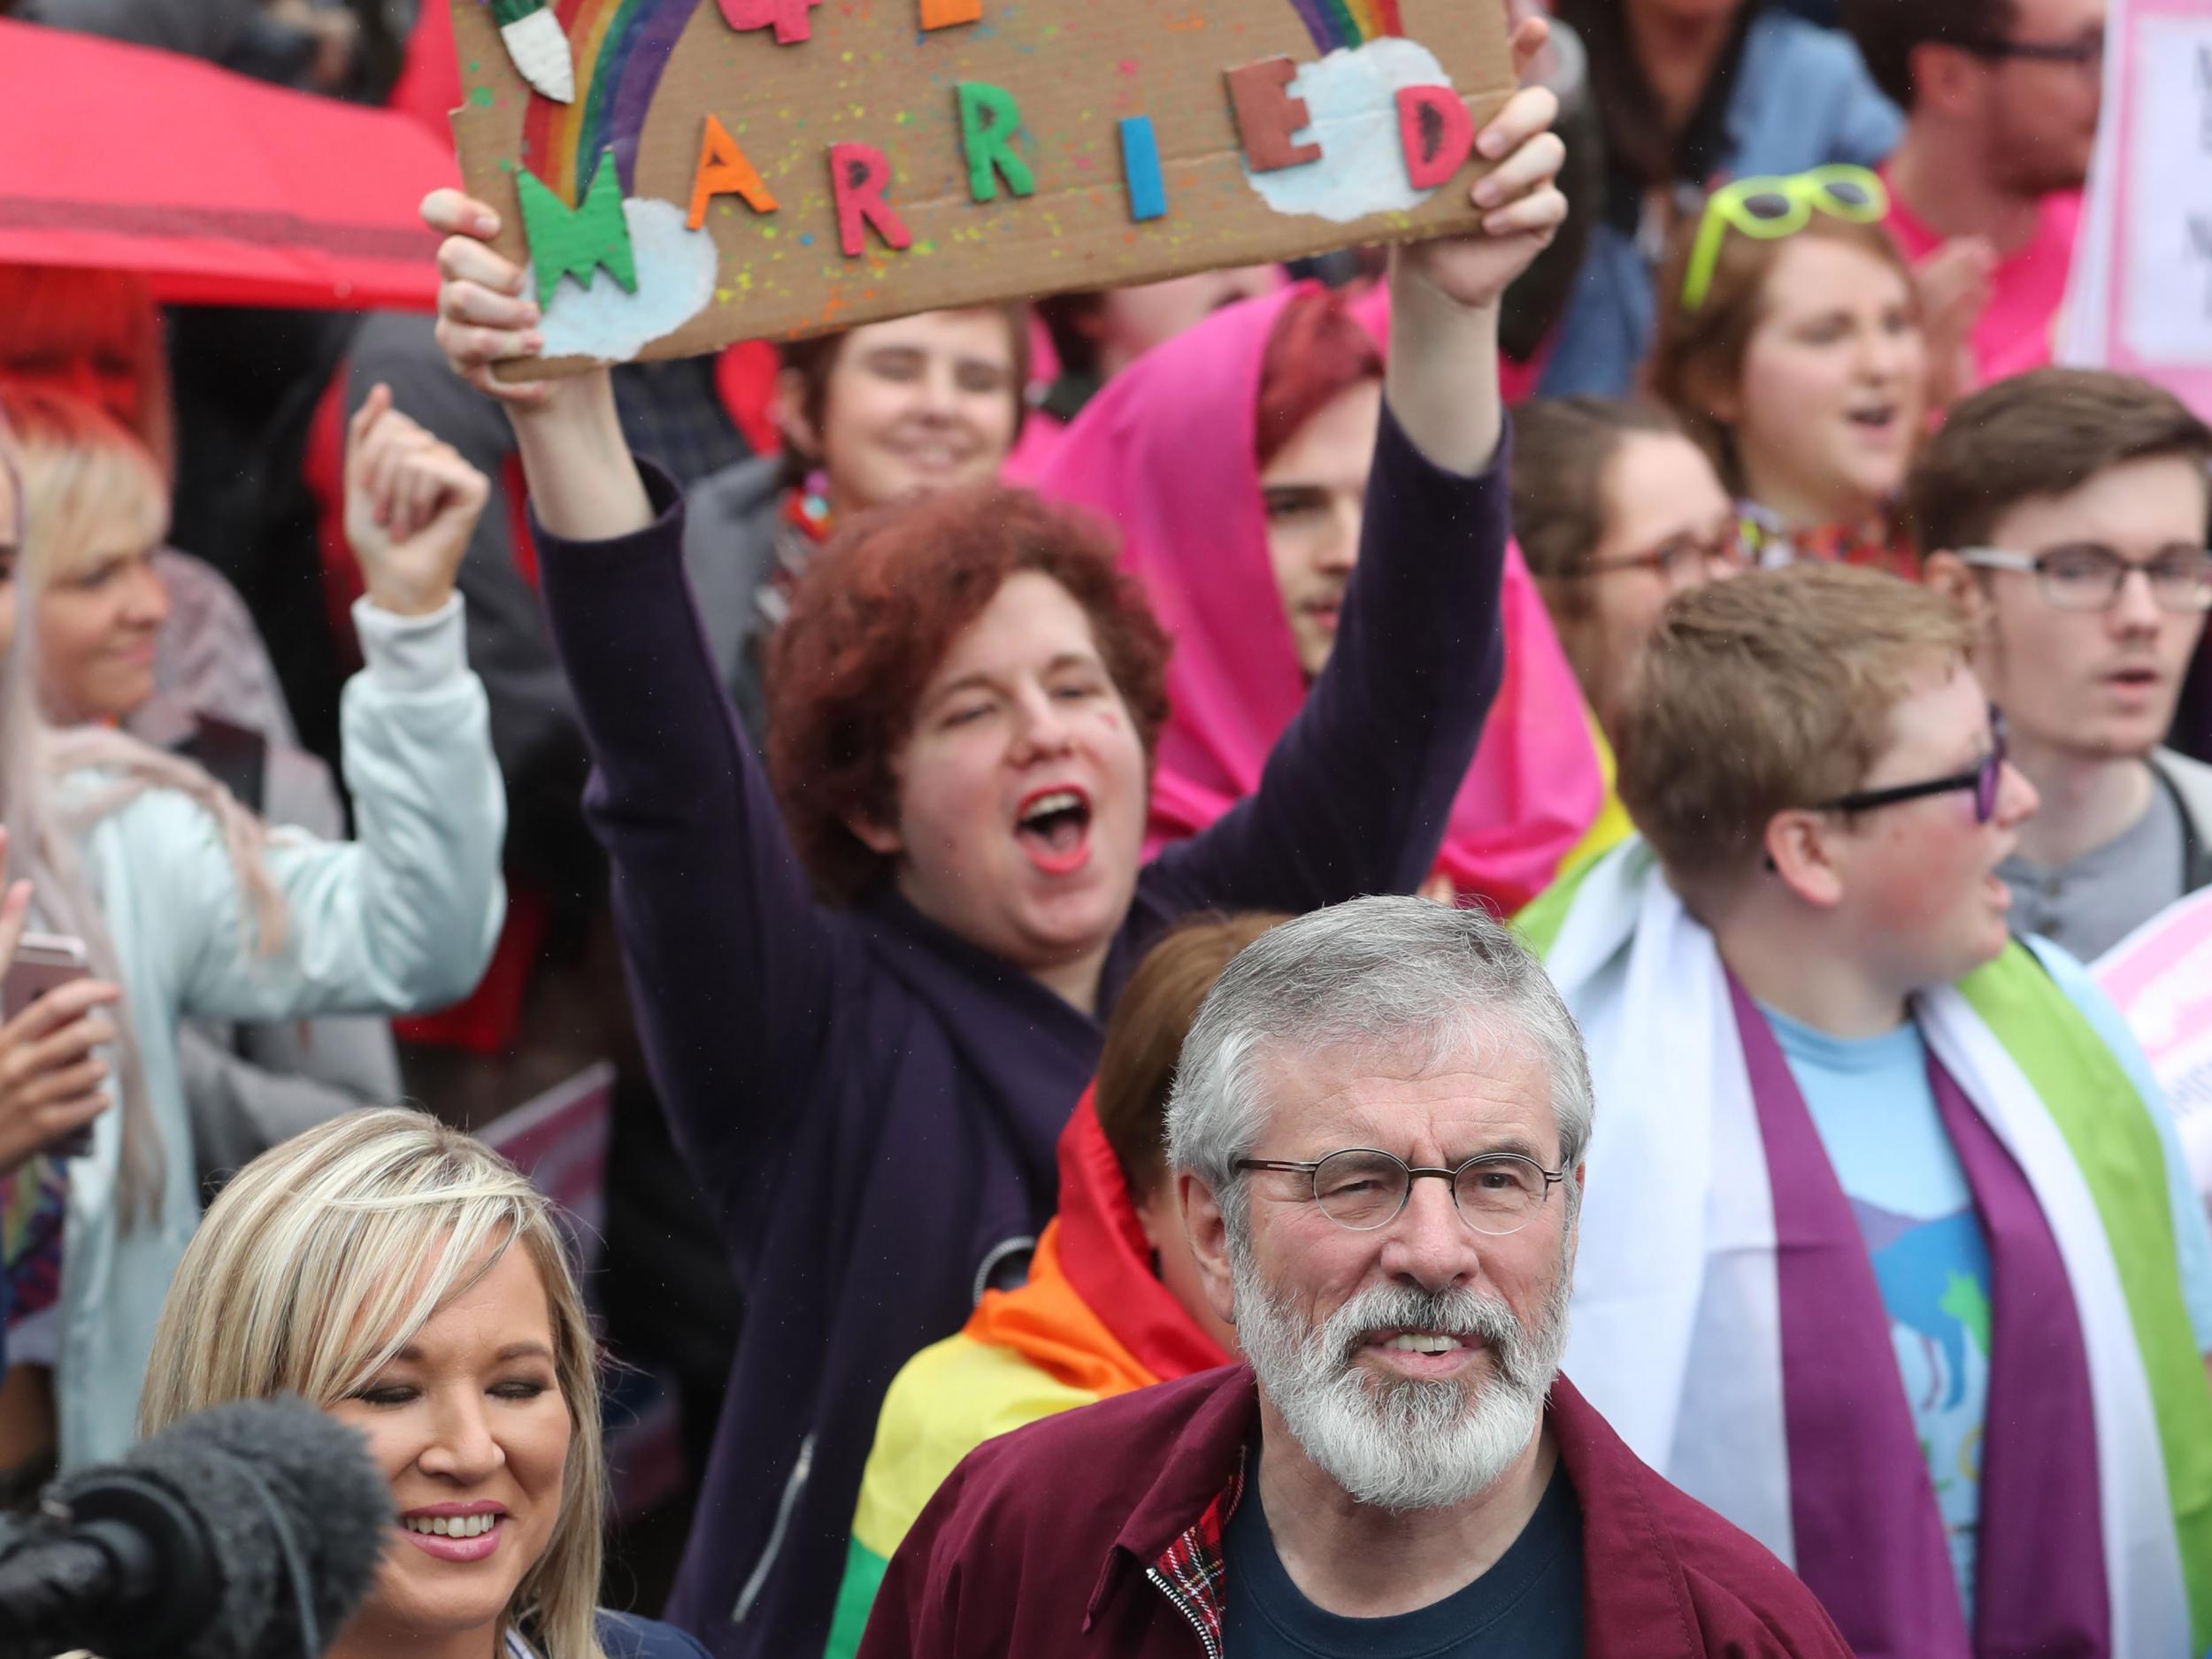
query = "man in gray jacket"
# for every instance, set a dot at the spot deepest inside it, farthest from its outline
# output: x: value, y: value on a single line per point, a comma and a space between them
x: 2065, y: 510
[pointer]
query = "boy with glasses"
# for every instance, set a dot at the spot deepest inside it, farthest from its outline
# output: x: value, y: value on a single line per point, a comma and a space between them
x: 1891, y: 1255
x: 2064, y: 512
x: 2001, y: 100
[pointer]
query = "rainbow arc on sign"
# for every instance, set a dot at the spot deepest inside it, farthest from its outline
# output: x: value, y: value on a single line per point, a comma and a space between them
x: 1336, y: 24
x: 621, y: 48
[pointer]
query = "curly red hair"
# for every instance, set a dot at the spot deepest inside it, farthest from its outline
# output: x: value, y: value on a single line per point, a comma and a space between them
x: 877, y: 611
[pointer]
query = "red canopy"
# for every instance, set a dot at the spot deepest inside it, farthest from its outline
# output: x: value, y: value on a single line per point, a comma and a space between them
x: 218, y: 188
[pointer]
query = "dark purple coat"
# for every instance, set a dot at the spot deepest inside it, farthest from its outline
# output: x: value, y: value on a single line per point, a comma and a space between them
x: 1097, y: 1532
x: 872, y: 1103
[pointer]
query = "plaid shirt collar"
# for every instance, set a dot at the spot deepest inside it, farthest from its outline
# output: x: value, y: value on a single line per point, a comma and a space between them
x: 1204, y: 1473
x: 1194, y: 1573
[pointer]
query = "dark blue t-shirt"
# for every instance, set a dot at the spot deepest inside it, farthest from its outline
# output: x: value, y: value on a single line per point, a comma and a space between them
x: 1528, y: 1605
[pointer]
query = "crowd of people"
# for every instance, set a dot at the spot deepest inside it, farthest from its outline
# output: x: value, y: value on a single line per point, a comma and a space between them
x: 1392, y: 958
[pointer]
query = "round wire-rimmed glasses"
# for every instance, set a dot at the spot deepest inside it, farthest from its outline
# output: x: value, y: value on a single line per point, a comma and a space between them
x: 1362, y: 1189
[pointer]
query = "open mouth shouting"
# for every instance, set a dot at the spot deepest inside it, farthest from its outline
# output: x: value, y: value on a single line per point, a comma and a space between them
x: 1876, y: 420
x: 1053, y: 825
x: 455, y: 1531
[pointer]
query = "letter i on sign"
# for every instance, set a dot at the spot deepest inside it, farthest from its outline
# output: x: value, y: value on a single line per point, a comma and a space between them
x: 1141, y: 169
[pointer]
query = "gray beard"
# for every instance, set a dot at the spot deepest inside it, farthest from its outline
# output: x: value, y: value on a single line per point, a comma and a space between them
x: 1407, y: 1444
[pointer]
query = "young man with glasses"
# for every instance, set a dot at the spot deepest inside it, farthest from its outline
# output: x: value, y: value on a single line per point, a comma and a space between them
x: 1891, y: 1255
x: 1376, y: 1133
x: 2001, y: 100
x: 2064, y: 512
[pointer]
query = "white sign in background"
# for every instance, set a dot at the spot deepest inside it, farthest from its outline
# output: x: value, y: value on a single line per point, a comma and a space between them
x: 2167, y: 305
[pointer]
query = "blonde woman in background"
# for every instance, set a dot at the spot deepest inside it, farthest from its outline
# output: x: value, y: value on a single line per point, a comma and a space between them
x: 405, y: 1279
x: 106, y: 616
x: 188, y: 907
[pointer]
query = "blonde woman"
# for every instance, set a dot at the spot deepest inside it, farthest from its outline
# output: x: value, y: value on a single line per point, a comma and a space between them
x: 106, y: 616
x: 189, y: 907
x: 404, y: 1278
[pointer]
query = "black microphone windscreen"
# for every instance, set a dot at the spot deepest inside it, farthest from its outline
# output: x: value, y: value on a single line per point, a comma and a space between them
x: 232, y: 1466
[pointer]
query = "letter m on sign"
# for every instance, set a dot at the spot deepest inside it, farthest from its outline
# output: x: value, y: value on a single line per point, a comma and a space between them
x: 579, y: 243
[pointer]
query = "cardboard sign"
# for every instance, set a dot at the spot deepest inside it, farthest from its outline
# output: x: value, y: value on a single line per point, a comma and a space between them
x: 2160, y: 978
x: 726, y: 170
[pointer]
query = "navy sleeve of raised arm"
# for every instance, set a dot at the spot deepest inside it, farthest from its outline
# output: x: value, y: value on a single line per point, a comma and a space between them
x: 1357, y: 792
x: 730, y: 959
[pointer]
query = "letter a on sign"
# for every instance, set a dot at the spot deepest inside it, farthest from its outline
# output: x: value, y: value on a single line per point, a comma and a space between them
x: 1437, y: 132
x: 725, y: 171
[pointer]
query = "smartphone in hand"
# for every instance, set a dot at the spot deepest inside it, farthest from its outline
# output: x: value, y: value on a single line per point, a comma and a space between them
x: 44, y: 962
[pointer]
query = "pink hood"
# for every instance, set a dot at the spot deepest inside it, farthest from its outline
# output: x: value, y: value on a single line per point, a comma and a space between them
x: 1167, y: 452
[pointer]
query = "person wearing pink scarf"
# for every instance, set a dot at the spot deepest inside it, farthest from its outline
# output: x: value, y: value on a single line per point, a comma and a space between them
x: 1178, y: 452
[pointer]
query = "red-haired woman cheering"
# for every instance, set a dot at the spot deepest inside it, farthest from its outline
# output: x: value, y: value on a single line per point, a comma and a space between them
x: 870, y: 1069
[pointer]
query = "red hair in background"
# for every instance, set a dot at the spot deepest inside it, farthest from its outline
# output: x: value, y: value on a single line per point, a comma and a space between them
x: 1315, y: 353
x: 95, y: 334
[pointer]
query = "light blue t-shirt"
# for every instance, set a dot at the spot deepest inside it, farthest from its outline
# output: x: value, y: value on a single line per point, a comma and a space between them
x: 1875, y: 1109
x: 1871, y: 1101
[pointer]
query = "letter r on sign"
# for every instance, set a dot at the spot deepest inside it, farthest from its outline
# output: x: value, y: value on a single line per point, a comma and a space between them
x: 989, y: 119
x: 858, y: 173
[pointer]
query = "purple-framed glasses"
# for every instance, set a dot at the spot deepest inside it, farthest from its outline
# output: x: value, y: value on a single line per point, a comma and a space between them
x: 1984, y: 780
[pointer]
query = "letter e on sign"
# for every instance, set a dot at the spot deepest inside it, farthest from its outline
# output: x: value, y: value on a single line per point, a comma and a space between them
x: 1267, y: 115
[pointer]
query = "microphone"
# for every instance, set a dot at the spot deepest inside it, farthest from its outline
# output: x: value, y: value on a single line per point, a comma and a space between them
x: 246, y: 1531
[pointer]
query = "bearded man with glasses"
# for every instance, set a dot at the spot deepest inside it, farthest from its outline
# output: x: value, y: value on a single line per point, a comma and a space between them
x: 1892, y: 1254
x: 2001, y: 99
x: 1376, y: 1132
x: 2064, y: 512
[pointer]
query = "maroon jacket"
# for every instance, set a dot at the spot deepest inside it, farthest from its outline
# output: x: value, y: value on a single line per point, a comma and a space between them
x: 1098, y: 1531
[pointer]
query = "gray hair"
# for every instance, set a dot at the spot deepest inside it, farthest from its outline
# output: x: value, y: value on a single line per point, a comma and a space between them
x: 1394, y: 972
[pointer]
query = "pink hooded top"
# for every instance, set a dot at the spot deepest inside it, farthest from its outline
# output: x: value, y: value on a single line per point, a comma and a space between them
x: 1168, y: 451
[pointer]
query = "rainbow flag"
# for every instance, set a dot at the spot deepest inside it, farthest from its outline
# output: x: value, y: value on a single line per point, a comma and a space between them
x: 620, y: 48
x: 1343, y: 24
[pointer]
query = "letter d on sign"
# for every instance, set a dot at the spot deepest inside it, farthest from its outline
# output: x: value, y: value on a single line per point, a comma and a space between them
x: 1437, y: 132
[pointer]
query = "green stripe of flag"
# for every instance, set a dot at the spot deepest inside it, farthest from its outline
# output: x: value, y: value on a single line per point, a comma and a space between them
x: 2108, y: 1128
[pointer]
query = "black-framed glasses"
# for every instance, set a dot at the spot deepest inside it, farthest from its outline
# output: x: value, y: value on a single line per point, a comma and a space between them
x: 1362, y: 1189
x: 1724, y: 551
x: 2088, y: 575
x: 1986, y: 778
x: 2085, y: 50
